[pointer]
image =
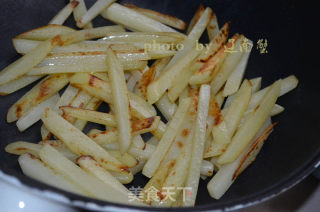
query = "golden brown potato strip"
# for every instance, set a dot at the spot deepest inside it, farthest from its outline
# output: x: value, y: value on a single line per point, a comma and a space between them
x: 163, y: 18
x: 41, y: 92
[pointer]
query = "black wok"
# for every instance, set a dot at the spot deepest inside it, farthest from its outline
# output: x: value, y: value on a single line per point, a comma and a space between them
x: 293, y: 149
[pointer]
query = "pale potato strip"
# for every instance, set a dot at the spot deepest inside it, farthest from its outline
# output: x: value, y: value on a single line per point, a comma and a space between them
x: 179, y: 83
x: 162, y: 18
x: 150, y: 75
x: 91, y: 166
x: 90, y: 115
x: 167, y: 139
x: 166, y: 107
x: 66, y: 98
x: 124, y: 158
x: 192, y: 38
x: 93, y: 187
x: 256, y: 85
x: 207, y: 168
x: 138, y: 167
x: 143, y: 153
x: 158, y: 133
x: 101, y: 89
x: 182, y: 135
x: 24, y: 64
x: 137, y: 140
x: 251, y: 125
x: 104, y: 137
x: 79, y: 11
x: 80, y: 100
x: 234, y: 81
x: 93, y: 12
x: 153, y: 140
x: 224, y: 178
x: 92, y: 105
x: 64, y: 58
x: 157, y: 179
x: 140, y: 108
x: 34, y: 114
x: 87, y: 34
x: 277, y: 109
x: 136, y: 151
x: 21, y: 147
x: 177, y: 175
x: 85, y: 65
x: 39, y: 93
x: 133, y: 20
x: 138, y: 127
x: 23, y: 46
x: 219, y: 98
x: 122, y: 178
x: 214, y: 118
x: 103, y: 76
x: 78, y: 142
x: 92, y: 85
x: 204, y: 73
x: 184, y: 94
x: 287, y: 84
x: 155, y: 39
x: 198, y: 141
x: 45, y: 32
x: 229, y: 64
x: 17, y: 84
x: 223, y: 132
x: 131, y: 83
x: 195, y: 18
x: 35, y: 169
x: 211, y: 56
x: 120, y: 101
x: 213, y: 28
x: 253, y: 151
x: 157, y: 88
x: 64, y: 13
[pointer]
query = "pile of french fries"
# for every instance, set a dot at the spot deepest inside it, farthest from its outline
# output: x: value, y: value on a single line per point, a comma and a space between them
x: 213, y: 123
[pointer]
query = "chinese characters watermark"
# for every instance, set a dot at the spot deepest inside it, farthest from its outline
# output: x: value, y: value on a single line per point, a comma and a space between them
x: 153, y: 194
x: 245, y: 46
x: 262, y: 46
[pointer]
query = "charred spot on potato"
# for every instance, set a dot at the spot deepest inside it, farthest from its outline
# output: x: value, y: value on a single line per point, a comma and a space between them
x: 142, y: 124
x: 146, y: 79
x: 94, y: 136
x: 74, y: 3
x: 32, y: 156
x: 215, y: 111
x: 172, y: 164
x: 124, y: 169
x: 21, y: 149
x: 56, y: 40
x: 160, y: 195
x: 19, y: 111
x: 185, y: 132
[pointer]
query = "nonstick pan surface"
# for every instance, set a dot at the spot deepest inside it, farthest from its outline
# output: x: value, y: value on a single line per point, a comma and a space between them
x: 290, y: 153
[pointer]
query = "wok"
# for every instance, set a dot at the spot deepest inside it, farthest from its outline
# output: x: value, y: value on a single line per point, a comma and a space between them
x: 290, y: 153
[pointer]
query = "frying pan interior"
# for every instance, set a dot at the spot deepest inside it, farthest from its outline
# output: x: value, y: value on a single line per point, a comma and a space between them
x: 293, y: 149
